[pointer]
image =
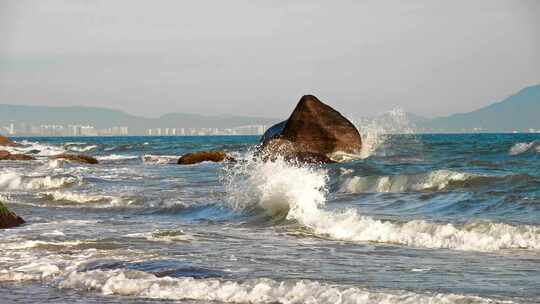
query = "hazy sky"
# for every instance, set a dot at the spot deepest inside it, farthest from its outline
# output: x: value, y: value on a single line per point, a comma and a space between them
x: 257, y: 57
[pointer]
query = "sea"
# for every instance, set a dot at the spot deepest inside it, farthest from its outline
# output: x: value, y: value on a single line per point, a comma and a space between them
x: 417, y: 218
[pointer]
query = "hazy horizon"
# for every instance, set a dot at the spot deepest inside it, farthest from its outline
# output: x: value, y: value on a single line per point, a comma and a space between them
x: 431, y: 58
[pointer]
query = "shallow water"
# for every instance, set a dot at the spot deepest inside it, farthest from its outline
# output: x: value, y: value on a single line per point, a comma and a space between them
x: 421, y: 219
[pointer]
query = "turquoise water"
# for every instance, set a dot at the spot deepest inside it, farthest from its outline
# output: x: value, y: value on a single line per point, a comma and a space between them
x: 420, y: 219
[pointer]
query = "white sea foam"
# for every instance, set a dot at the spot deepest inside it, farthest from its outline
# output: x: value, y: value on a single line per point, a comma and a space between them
x: 27, y: 244
x: 55, y: 163
x: 521, y: 148
x: 15, y: 181
x: 298, y: 192
x: 436, y: 180
x: 116, y: 157
x: 167, y: 236
x: 375, y: 131
x: 39, y: 149
x: 160, y: 159
x: 85, y: 198
x: 140, y: 284
x: 68, y: 272
x: 77, y: 148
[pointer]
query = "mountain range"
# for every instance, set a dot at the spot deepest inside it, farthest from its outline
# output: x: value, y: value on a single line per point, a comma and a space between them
x: 519, y: 112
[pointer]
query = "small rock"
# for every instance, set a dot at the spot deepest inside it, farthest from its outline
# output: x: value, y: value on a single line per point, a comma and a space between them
x: 8, y: 219
x: 198, y: 157
x: 79, y: 158
x: 5, y: 155
x: 4, y: 141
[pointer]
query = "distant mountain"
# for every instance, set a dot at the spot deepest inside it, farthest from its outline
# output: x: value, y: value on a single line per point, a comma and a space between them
x: 519, y: 112
x: 106, y: 118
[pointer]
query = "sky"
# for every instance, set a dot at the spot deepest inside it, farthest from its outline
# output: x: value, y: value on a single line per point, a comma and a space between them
x: 256, y: 57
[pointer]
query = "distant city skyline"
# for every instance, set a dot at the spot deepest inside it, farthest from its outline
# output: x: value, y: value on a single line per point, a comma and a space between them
x: 432, y: 58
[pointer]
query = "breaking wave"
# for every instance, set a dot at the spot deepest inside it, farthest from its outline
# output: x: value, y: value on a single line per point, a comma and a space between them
x: 167, y: 236
x: 521, y: 148
x: 77, y: 271
x: 116, y: 157
x: 299, y: 193
x: 80, y: 147
x: 137, y: 283
x: 436, y: 180
x: 376, y: 131
x: 35, y: 148
x: 15, y: 181
x: 160, y: 159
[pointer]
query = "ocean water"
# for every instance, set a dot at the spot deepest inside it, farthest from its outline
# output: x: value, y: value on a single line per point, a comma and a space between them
x: 418, y: 219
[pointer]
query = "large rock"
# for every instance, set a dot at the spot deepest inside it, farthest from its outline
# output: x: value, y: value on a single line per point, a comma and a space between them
x: 202, y: 156
x: 4, y: 141
x: 5, y: 155
x: 9, y: 219
x: 78, y: 158
x: 314, y: 129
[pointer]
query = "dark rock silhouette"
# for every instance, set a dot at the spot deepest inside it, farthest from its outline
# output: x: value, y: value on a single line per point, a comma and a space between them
x: 313, y: 128
x: 198, y: 157
x: 78, y: 158
x: 8, y: 219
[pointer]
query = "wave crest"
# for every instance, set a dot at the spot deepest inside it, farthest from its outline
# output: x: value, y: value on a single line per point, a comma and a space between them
x: 15, y: 181
x: 521, y: 148
x: 436, y: 180
x: 140, y: 284
x: 299, y: 193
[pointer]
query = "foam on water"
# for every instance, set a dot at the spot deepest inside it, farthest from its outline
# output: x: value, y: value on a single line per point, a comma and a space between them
x: 83, y: 148
x: 15, y: 181
x: 116, y: 157
x: 167, y: 236
x: 36, y: 148
x: 299, y: 193
x: 521, y: 148
x: 55, y: 163
x: 160, y: 159
x: 140, y: 284
x: 375, y: 131
x: 87, y: 199
x: 46, y: 261
x: 33, y: 262
x: 436, y: 180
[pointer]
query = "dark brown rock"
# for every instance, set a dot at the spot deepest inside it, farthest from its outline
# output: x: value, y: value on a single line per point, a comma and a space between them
x: 4, y: 141
x: 9, y: 219
x: 79, y: 158
x: 5, y: 155
x: 198, y: 157
x: 313, y: 128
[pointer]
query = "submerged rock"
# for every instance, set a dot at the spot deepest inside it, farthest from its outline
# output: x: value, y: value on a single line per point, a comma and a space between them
x: 202, y: 156
x: 5, y: 155
x: 4, y: 141
x: 314, y: 129
x: 79, y: 158
x: 8, y: 219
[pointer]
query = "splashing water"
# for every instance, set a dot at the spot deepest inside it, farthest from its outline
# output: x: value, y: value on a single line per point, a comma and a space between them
x: 299, y: 192
x: 521, y: 148
x: 375, y: 131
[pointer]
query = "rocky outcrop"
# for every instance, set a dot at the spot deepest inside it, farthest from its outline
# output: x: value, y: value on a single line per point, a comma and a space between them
x: 9, y: 219
x: 313, y: 129
x: 5, y: 155
x: 78, y: 158
x: 6, y: 142
x: 199, y: 157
